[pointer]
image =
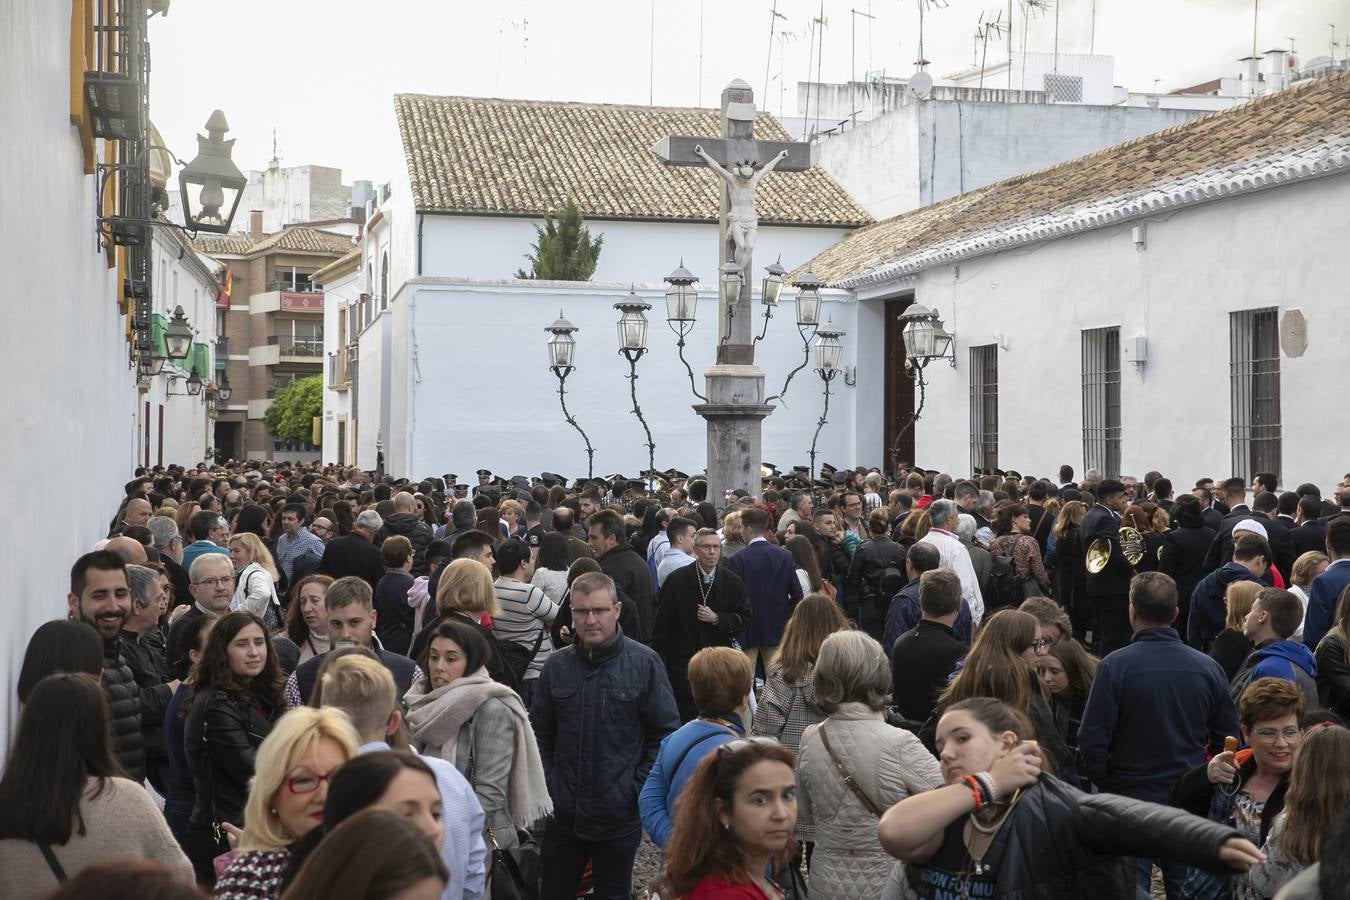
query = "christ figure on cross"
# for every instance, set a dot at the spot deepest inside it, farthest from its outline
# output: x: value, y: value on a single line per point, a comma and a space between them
x: 742, y: 179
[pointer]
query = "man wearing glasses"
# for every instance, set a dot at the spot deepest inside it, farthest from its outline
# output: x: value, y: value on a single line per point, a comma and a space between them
x: 211, y: 582
x: 700, y: 605
x: 600, y: 711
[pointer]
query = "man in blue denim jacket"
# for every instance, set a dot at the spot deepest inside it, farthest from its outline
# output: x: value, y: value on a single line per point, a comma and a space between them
x: 601, y: 709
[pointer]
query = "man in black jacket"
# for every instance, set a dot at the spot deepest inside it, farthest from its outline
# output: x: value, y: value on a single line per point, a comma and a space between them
x: 1108, y: 590
x: 405, y: 522
x: 609, y: 542
x: 924, y: 657
x: 702, y: 605
x: 355, y: 554
x: 143, y: 650
x: 99, y: 595
x: 1310, y: 532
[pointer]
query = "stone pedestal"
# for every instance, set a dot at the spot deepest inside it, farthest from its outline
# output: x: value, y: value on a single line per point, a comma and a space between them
x: 734, y: 411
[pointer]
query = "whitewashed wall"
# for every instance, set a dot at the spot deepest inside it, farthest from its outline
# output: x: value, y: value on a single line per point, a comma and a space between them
x: 1283, y: 247
x: 69, y: 410
x: 470, y: 358
x: 337, y: 405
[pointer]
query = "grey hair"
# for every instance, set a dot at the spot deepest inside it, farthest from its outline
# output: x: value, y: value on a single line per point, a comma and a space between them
x: 164, y: 530
x: 852, y: 668
x: 142, y: 582
x: 986, y: 501
x: 370, y: 520
x: 1092, y: 475
x: 707, y: 532
x: 463, y: 514
x: 965, y: 528
x: 204, y: 559
x: 940, y: 513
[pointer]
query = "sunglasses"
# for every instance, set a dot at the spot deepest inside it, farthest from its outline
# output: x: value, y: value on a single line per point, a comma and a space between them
x: 741, y: 743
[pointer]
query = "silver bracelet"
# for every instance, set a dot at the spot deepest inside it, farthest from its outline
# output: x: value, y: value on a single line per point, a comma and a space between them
x: 986, y: 782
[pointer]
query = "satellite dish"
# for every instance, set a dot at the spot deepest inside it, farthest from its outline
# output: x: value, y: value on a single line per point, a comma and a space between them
x: 921, y: 84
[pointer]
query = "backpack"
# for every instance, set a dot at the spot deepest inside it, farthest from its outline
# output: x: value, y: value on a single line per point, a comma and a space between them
x: 516, y: 658
x: 1005, y: 585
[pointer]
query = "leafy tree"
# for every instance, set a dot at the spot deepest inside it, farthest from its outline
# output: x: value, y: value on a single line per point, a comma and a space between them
x: 565, y: 250
x: 291, y: 415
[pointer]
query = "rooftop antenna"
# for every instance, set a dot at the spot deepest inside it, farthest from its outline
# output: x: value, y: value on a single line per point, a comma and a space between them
x: 853, y: 60
x: 774, y: 16
x: 276, y: 158
x: 989, y: 27
x: 1334, y: 44
x: 1092, y: 40
x: 700, y: 54
x: 922, y: 61
x: 820, y: 57
x: 651, y: 55
x: 1030, y: 8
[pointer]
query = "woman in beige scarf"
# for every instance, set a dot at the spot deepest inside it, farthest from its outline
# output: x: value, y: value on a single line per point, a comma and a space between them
x: 464, y: 717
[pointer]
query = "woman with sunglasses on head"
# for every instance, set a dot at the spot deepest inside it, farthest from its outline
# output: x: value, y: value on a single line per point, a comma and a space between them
x: 1002, y: 828
x: 1002, y: 664
x: 736, y: 821
x: 286, y: 798
x: 1245, y: 789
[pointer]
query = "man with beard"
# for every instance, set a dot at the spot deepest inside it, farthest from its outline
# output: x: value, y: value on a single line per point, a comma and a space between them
x: 99, y: 595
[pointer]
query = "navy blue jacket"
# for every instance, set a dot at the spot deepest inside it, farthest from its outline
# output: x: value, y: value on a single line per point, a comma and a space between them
x: 402, y: 668
x: 905, y: 613
x: 599, y: 716
x: 771, y: 582
x: 1154, y: 707
x: 1208, y: 609
x: 1322, y: 596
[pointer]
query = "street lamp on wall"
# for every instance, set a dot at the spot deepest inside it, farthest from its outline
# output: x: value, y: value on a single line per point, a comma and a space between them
x: 681, y: 308
x: 178, y: 335
x: 561, y: 357
x: 211, y: 186
x: 926, y: 339
x: 829, y: 351
x: 769, y: 292
x: 632, y: 345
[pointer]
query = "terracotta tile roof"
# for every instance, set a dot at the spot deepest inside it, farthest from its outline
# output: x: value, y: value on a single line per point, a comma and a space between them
x: 235, y: 243
x: 303, y: 239
x: 527, y: 157
x: 338, y: 267
x: 1301, y: 132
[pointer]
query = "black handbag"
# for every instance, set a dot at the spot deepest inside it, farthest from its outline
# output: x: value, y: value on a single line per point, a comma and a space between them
x: 516, y: 870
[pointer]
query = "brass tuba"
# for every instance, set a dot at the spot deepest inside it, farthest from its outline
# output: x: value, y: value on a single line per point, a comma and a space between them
x: 1131, y: 547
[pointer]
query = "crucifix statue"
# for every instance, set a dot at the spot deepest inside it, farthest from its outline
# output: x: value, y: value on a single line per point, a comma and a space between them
x: 735, y: 385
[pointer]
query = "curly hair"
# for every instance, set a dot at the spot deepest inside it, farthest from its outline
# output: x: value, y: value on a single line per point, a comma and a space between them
x: 699, y: 845
x: 994, y: 666
x: 213, y: 669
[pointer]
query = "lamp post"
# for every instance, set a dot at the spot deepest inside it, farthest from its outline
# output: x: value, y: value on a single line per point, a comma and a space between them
x: 729, y: 281
x: 925, y: 340
x: 632, y: 345
x: 769, y: 292
x: 808, y: 321
x: 178, y: 335
x: 828, y: 353
x: 561, y: 353
x: 211, y: 186
x: 681, y: 309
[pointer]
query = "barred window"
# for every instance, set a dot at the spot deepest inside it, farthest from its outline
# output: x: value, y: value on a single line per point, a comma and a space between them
x: 1101, y: 400
x: 984, y: 407
x: 1254, y: 377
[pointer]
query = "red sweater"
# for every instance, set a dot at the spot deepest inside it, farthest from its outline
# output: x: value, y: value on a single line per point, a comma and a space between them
x: 710, y: 887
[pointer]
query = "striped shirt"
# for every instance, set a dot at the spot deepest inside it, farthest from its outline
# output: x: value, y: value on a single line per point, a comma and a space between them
x: 526, y: 609
x: 289, y: 549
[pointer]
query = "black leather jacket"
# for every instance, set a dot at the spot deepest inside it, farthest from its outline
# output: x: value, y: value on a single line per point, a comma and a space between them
x: 221, y: 737
x: 1061, y: 843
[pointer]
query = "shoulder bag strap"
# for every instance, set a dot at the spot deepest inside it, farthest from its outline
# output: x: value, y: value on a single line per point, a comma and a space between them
x: 53, y: 863
x: 848, y: 779
x: 685, y: 755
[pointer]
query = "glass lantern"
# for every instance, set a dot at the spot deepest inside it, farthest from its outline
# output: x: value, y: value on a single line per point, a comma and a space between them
x: 633, y: 324
x: 773, y: 283
x: 561, y: 345
x: 920, y: 332
x: 808, y: 299
x: 178, y: 335
x: 828, y: 349
x: 681, y: 296
x: 730, y: 279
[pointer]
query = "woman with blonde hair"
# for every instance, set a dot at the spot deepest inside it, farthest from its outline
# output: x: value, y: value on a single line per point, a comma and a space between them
x: 256, y: 586
x: 788, y: 702
x: 466, y: 592
x: 733, y: 538
x: 853, y: 766
x: 181, y: 516
x: 1307, y: 567
x: 1318, y: 789
x: 1231, y: 646
x: 286, y: 797
x: 1002, y: 665
x: 513, y: 514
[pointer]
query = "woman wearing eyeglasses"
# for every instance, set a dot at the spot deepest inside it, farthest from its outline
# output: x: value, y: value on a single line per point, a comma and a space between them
x: 286, y: 799
x: 236, y: 698
x: 1245, y: 789
x: 1001, y: 828
x: 737, y: 821
x: 1001, y: 664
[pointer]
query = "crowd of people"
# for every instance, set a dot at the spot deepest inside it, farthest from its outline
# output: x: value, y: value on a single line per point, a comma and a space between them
x: 300, y: 681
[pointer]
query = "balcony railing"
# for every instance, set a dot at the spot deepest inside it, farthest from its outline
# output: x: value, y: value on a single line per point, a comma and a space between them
x: 222, y: 351
x: 288, y: 288
x: 294, y: 346
x: 340, y: 366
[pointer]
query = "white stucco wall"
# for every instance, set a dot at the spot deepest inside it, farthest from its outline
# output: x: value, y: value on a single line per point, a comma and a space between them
x: 1282, y: 248
x: 640, y: 252
x: 472, y: 357
x: 70, y: 412
x: 925, y: 152
x: 337, y: 405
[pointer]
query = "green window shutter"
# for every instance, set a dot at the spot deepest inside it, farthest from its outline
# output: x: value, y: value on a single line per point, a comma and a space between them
x: 201, y: 361
x: 157, y: 326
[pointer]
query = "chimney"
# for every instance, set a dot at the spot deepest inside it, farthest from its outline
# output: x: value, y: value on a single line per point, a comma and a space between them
x: 255, y: 230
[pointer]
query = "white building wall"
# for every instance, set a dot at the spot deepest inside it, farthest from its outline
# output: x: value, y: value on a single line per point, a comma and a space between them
x: 481, y: 394
x: 63, y: 351
x: 640, y: 252
x: 1277, y: 248
x: 337, y: 405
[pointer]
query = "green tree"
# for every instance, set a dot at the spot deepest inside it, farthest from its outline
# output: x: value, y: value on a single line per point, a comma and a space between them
x: 565, y: 250
x: 291, y: 415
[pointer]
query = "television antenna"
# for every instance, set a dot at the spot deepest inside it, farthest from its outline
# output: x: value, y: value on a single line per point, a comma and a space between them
x: 923, y: 5
x: 991, y: 25
x: 1030, y: 9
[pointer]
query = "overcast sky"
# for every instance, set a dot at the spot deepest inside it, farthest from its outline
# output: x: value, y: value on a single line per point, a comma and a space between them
x: 323, y: 73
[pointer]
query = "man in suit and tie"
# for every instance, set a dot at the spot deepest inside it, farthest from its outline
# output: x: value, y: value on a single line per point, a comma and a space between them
x: 1311, y: 532
x: 1109, y: 589
x: 1326, y: 588
x: 770, y: 579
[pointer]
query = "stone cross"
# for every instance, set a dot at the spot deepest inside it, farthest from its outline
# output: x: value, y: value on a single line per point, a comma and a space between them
x: 741, y: 162
x: 735, y: 385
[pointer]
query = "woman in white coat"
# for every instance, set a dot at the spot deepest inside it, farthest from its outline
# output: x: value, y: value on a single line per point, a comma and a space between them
x: 852, y: 767
x: 255, y: 580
